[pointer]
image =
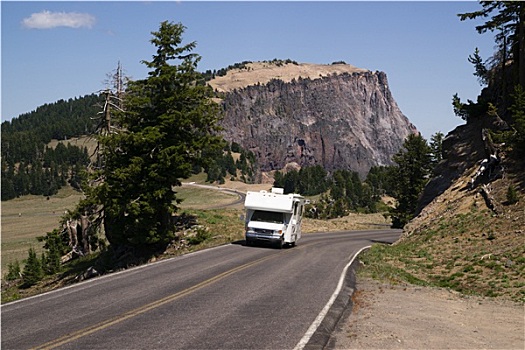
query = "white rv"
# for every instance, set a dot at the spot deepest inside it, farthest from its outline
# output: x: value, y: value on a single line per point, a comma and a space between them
x: 273, y: 217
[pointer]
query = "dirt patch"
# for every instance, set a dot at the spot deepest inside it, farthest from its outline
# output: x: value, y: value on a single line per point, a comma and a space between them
x: 388, y: 316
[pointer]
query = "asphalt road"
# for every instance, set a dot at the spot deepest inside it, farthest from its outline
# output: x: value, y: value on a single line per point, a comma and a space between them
x: 230, y: 297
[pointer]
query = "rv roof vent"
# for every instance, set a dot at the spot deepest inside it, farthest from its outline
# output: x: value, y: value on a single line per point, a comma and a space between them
x: 277, y: 190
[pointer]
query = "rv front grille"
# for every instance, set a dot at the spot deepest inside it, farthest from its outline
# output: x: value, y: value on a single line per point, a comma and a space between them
x: 263, y: 231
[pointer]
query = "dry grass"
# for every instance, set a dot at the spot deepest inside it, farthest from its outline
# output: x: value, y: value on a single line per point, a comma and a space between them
x: 27, y: 217
x: 202, y: 198
x: 263, y: 72
x: 352, y: 221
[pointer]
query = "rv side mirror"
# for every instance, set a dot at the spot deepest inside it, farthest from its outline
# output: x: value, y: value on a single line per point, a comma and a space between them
x: 241, y: 217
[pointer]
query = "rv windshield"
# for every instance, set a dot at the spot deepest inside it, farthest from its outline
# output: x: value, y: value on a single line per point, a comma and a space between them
x: 268, y: 216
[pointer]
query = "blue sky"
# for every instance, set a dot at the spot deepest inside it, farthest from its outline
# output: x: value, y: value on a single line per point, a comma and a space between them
x: 59, y: 50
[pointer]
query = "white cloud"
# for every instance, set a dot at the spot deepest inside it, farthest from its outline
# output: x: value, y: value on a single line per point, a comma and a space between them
x: 48, y: 20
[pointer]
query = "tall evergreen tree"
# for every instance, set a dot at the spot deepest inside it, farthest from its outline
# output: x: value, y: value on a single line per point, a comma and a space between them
x: 436, y: 147
x: 381, y: 180
x: 507, y: 19
x: 413, y: 169
x: 291, y: 179
x: 167, y: 123
x: 55, y: 249
x: 7, y: 184
x: 229, y: 164
x: 504, y: 72
x: 278, y: 179
x: 518, y: 116
x: 312, y: 180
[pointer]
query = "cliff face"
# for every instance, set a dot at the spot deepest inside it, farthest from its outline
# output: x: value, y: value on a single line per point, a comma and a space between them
x: 341, y: 121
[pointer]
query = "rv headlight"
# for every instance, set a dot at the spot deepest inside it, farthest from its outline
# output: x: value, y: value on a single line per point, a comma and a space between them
x: 279, y: 232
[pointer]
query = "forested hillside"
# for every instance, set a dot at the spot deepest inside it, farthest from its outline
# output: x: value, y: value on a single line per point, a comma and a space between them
x: 28, y: 165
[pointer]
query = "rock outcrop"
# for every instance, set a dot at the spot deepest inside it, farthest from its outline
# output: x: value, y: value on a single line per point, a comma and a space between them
x: 463, y: 148
x: 344, y: 120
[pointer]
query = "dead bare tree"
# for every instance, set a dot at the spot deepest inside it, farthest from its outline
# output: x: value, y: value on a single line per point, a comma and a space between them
x: 113, y: 101
x: 86, y: 221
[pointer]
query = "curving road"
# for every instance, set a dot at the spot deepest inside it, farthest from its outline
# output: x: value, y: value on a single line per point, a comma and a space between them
x: 230, y: 297
x: 241, y: 196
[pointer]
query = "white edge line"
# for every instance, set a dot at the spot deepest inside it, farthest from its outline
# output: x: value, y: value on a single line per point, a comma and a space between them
x: 313, y: 327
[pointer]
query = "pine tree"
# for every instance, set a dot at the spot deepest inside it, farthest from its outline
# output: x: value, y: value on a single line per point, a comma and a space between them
x: 512, y: 195
x: 55, y: 247
x: 507, y: 18
x: 167, y: 123
x: 7, y: 182
x: 32, y: 270
x: 312, y: 180
x: 278, y: 179
x: 436, y: 147
x: 229, y: 163
x: 518, y: 116
x: 413, y: 168
x: 381, y: 180
x: 13, y: 271
x: 291, y: 180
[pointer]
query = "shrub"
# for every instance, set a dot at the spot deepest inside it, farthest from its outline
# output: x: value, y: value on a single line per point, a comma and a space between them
x: 202, y: 234
x: 512, y: 195
x: 33, y: 269
x: 13, y: 271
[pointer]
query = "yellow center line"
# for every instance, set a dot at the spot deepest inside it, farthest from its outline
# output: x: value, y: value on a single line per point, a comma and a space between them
x: 140, y: 310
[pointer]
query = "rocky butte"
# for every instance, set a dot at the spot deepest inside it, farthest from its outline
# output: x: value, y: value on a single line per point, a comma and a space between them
x: 337, y: 116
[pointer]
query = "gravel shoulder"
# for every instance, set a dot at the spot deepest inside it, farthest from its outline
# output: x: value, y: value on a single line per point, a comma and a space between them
x: 388, y: 316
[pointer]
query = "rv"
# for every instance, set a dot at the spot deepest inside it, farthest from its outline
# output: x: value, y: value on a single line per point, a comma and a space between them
x: 273, y: 217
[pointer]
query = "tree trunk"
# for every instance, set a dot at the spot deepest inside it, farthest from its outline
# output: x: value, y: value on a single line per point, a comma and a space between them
x: 521, y: 43
x: 85, y: 224
x: 72, y: 231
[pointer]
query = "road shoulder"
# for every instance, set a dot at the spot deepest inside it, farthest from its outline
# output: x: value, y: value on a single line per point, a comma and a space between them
x: 388, y: 316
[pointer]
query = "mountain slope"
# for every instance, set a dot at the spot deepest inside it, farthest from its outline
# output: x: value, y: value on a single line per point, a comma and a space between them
x: 470, y: 237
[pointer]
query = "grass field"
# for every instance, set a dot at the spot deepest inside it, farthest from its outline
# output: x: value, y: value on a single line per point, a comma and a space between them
x: 202, y: 198
x: 27, y: 217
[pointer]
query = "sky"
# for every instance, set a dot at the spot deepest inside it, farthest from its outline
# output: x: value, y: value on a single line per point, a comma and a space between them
x: 61, y: 50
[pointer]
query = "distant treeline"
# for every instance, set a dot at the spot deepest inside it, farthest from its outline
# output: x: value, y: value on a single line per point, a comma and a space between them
x: 340, y: 192
x: 28, y: 165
